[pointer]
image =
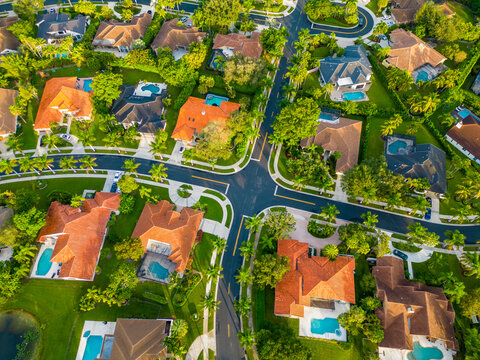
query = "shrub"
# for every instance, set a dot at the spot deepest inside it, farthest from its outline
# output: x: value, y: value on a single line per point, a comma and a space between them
x: 60, y: 196
x: 320, y: 230
x: 127, y: 203
x: 185, y: 288
x: 183, y: 95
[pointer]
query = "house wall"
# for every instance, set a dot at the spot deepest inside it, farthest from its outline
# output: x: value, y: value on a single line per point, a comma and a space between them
x: 462, y: 149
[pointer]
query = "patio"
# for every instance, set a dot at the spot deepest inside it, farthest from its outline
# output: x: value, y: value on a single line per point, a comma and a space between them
x: 339, y: 94
x: 311, y: 313
x: 94, y: 329
x: 40, y: 263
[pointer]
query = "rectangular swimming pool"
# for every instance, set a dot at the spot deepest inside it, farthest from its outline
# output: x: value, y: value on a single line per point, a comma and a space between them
x: 44, y: 263
x: 326, y: 325
x: 93, y: 347
x: 464, y: 113
x: 87, y: 85
x: 356, y: 95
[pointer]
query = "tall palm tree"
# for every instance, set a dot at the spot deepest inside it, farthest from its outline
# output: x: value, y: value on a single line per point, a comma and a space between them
x: 253, y: 223
x: 267, y: 242
x: 179, y: 328
x: 209, y: 303
x: 52, y: 140
x: 246, y: 338
x: 77, y: 201
x: 299, y: 182
x: 244, y: 276
x: 18, y: 109
x: 370, y: 220
x: 68, y: 163
x: 14, y: 143
x: 43, y: 163
x: 144, y: 192
x: 328, y: 88
x: 329, y: 213
x: 214, y: 272
x: 416, y: 232
x: 112, y: 139
x: 87, y: 139
x: 247, y: 248
x: 471, y: 261
x: 454, y: 238
x: 243, y: 306
x: 27, y: 164
x: 330, y: 251
x: 189, y: 155
x: 88, y: 163
x: 219, y: 243
x: 130, y: 166
x: 421, y: 204
x: 7, y: 166
x: 463, y: 213
x: 158, y: 172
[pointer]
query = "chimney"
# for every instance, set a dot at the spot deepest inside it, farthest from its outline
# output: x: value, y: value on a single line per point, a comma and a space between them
x: 203, y: 112
x: 459, y: 124
x: 410, y: 310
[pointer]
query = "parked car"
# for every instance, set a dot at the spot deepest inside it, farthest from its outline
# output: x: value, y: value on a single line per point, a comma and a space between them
x: 428, y: 213
x: 66, y: 137
x: 182, y: 149
x: 383, y: 37
x: 114, y: 187
x: 387, y: 17
x: 400, y: 254
x: 117, y: 176
x: 361, y: 21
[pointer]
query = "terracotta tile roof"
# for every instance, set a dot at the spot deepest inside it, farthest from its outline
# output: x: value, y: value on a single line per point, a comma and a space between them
x: 140, y: 339
x: 404, y: 10
x: 8, y: 122
x: 80, y: 234
x: 468, y: 135
x: 61, y: 94
x: 116, y: 33
x: 8, y: 41
x: 194, y: 115
x: 312, y: 277
x: 411, y: 308
x: 248, y: 47
x: 173, y: 36
x: 343, y: 137
x: 161, y: 223
x: 409, y: 52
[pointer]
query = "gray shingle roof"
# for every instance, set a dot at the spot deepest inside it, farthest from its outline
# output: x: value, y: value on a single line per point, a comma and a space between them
x: 353, y: 64
x: 53, y: 23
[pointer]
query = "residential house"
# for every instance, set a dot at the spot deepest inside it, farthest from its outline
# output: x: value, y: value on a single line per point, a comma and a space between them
x: 76, y: 235
x: 55, y: 27
x: 225, y: 46
x: 167, y: 237
x: 352, y: 71
x: 8, y: 121
x: 119, y: 37
x: 139, y: 108
x: 465, y: 136
x: 8, y: 42
x: 314, y: 287
x: 196, y: 114
x: 63, y: 98
x: 403, y: 11
x: 337, y: 134
x: 416, y: 161
x: 177, y: 38
x: 409, y: 52
x: 411, y: 313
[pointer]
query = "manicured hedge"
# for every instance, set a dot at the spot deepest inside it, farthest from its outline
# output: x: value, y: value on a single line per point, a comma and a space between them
x: 155, y: 297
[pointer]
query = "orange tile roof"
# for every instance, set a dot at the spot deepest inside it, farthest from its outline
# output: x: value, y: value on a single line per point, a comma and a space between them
x: 247, y: 46
x: 195, y: 115
x: 61, y: 94
x: 312, y: 277
x: 80, y: 234
x: 161, y: 223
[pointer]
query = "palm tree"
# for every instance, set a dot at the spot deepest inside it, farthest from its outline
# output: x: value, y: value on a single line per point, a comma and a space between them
x: 209, y: 303
x: 454, y: 289
x: 189, y: 155
x: 51, y: 140
x: 328, y: 88
x: 87, y: 139
x: 370, y: 220
x: 417, y: 232
x: 454, y: 238
x: 394, y: 200
x: 214, y: 272
x: 144, y: 192
x: 243, y: 306
x: 131, y: 167
x: 424, y: 104
x: 246, y: 338
x: 18, y: 109
x: 42, y: 163
x: 471, y: 261
x: 77, y: 201
x: 200, y: 206
x: 112, y: 139
x: 267, y: 242
x: 247, y: 248
x: 220, y: 244
x: 253, y: 223
x: 275, y: 139
x: 158, y: 172
x: 299, y: 182
x: 330, y: 251
x: 463, y: 213
x: 14, y: 143
x: 329, y: 213
x: 7, y: 166
x: 178, y: 328
x: 244, y: 276
x: 88, y: 163
x: 67, y: 163
x: 24, y: 253
x: 421, y: 204
x: 173, y: 280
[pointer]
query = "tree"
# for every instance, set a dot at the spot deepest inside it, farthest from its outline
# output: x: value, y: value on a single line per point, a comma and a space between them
x: 452, y: 287
x: 27, y: 9
x: 279, y: 223
x: 158, y: 172
x: 213, y: 142
x: 246, y: 338
x: 160, y: 143
x: 399, y: 80
x: 127, y: 15
x: 42, y: 163
x: 204, y: 83
x: 381, y: 4
x: 209, y: 303
x: 77, y: 201
x: 196, y: 55
x: 419, y: 235
x: 7, y: 166
x: 247, y: 249
x: 273, y: 40
x: 129, y: 249
x: 30, y: 222
x: 106, y: 87
x: 269, y: 269
x: 297, y: 121
x: 370, y: 303
x: 85, y: 7
x: 113, y: 139
x: 10, y: 236
x: 214, y: 272
x: 329, y: 213
x: 330, y: 251
x: 215, y: 15
x: 127, y: 184
x: 471, y: 261
x: 380, y: 29
x: 244, y: 276
x: 52, y: 140
x: 426, y: 104
x: 370, y: 220
x: 243, y: 306
x: 470, y: 304
x: 220, y: 244
x: 280, y: 343
x: 454, y: 238
x: 14, y: 143
x: 130, y: 166
x: 87, y: 162
x: 353, y: 320
x: 179, y: 328
x: 253, y: 223
x: 244, y: 70
x: 68, y: 163
x: 391, y: 124
x: 87, y: 139
x: 145, y: 192
x: 106, y: 12
x: 472, y: 344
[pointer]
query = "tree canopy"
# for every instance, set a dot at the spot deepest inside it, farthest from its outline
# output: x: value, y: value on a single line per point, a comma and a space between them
x: 269, y: 269
x: 214, y: 14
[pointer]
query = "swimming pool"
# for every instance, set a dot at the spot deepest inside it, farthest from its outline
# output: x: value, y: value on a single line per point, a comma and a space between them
x: 424, y: 353
x: 93, y: 347
x: 394, y: 147
x: 323, y: 116
x: 326, y: 325
x: 87, y: 85
x: 216, y: 64
x: 464, y: 113
x: 158, y: 270
x: 422, y: 75
x: 215, y: 100
x: 107, y: 347
x: 44, y: 263
x: 152, y: 88
x: 356, y: 95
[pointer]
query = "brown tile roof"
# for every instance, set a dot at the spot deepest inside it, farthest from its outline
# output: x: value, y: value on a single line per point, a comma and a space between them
x: 140, y: 339
x: 409, y: 52
x: 404, y: 10
x: 8, y: 122
x: 60, y: 94
x: 116, y: 33
x: 80, y: 234
x: 173, y: 36
x: 411, y: 308
x: 8, y: 41
x: 312, y: 277
x: 343, y: 137
x: 161, y: 223
x: 194, y: 115
x: 248, y: 47
x: 468, y: 135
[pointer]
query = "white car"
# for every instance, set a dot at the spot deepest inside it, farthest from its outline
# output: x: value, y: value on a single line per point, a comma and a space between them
x: 117, y: 176
x: 66, y: 137
x: 387, y: 17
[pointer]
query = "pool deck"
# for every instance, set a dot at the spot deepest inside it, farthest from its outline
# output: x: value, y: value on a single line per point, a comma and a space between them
x: 397, y: 354
x: 310, y: 313
x: 96, y: 328
x: 146, y: 93
x: 53, y: 269
x: 337, y: 95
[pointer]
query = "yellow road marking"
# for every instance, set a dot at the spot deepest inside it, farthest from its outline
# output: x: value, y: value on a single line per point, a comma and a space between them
x: 220, y: 182
x: 344, y: 32
x: 238, y: 235
x: 289, y: 198
x: 228, y: 288
x: 264, y: 141
x: 228, y: 329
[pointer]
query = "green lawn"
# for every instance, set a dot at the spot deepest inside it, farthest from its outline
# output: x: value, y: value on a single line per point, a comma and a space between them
x: 379, y: 95
x: 321, y: 52
x: 373, y: 5
x: 214, y: 209
x: 461, y: 11
x: 311, y: 83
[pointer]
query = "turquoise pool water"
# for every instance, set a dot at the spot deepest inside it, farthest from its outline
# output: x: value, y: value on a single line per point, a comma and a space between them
x: 325, y: 116
x: 93, y: 347
x: 424, y: 353
x: 357, y: 95
x: 326, y: 325
x: 107, y: 347
x: 215, y: 100
x: 87, y: 85
x: 158, y: 270
x: 422, y: 75
x: 152, y: 88
x: 44, y: 263
x: 396, y: 145
x: 464, y: 113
